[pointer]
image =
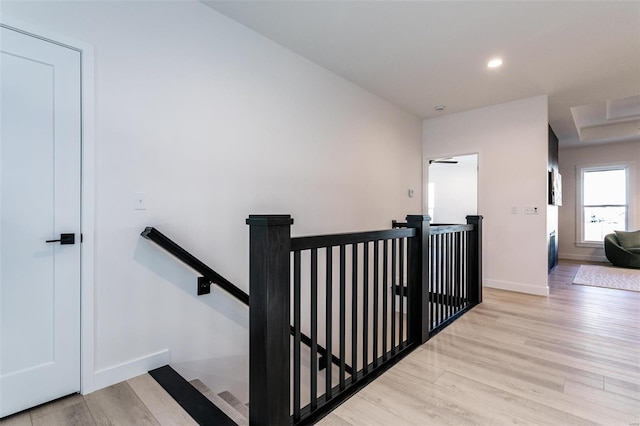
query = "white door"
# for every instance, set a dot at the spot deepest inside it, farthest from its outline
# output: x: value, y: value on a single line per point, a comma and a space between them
x: 40, y: 169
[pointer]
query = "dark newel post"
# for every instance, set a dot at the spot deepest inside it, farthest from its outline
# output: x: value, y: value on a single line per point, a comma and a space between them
x: 475, y: 259
x: 269, y: 310
x: 418, y: 280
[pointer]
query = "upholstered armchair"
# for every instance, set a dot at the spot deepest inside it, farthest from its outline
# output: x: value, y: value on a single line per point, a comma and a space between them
x: 623, y: 249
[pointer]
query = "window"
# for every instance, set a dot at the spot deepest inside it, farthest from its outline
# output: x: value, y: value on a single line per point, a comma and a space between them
x: 604, y: 203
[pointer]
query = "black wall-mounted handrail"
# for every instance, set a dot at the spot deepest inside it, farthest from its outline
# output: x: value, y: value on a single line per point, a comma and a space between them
x: 322, y: 362
x: 151, y: 233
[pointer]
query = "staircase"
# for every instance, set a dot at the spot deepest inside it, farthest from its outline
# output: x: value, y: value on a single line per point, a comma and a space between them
x: 371, y: 298
x: 203, y: 405
x: 226, y: 402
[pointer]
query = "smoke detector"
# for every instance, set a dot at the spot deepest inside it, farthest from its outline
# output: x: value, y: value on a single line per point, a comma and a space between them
x: 440, y: 108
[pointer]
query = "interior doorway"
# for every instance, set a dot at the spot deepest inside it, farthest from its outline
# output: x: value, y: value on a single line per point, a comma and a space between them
x: 452, y: 188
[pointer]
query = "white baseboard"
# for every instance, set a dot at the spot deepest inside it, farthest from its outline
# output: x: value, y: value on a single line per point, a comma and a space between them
x: 127, y: 370
x: 517, y: 287
x: 588, y: 257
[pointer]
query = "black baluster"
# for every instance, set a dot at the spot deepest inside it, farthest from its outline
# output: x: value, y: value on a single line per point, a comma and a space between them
x: 314, y: 330
x: 376, y: 289
x: 354, y: 313
x: 297, y: 325
x: 385, y: 296
x: 401, y: 319
x: 393, y: 296
x: 449, y: 273
x: 434, y: 281
x: 343, y: 315
x: 365, y: 309
x: 329, y: 323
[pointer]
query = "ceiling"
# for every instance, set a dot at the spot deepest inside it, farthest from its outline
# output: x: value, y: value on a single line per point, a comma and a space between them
x: 420, y: 54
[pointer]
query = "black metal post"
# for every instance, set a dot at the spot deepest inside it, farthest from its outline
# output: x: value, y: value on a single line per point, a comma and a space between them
x: 475, y: 260
x: 269, y: 316
x: 418, y: 280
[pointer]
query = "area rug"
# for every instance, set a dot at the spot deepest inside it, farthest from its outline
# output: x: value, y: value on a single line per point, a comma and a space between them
x: 609, y: 277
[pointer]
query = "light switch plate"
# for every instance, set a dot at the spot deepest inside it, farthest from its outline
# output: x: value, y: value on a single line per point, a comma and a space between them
x: 139, y: 201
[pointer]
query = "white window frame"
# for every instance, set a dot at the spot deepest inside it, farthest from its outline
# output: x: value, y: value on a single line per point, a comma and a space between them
x: 629, y: 168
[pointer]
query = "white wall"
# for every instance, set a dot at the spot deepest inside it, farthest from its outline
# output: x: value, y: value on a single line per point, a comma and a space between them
x: 512, y: 142
x: 569, y: 160
x: 455, y: 188
x: 214, y: 122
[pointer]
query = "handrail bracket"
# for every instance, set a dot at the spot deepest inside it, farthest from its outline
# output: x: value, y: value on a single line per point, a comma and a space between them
x: 204, y: 285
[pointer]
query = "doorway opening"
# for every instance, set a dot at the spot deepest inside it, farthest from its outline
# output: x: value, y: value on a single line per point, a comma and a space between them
x: 452, y: 188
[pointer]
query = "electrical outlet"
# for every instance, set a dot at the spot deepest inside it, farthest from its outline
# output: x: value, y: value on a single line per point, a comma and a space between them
x: 531, y: 210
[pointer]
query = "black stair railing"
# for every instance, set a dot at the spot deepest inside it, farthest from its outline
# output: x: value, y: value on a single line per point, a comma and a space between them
x: 371, y: 296
x: 371, y: 328
x: 396, y: 289
x: 209, y: 276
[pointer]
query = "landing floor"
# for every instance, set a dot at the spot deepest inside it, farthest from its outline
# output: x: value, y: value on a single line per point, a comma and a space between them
x: 570, y: 358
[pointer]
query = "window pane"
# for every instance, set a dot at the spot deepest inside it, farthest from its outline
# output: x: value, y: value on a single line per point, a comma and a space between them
x: 605, y: 187
x: 600, y: 221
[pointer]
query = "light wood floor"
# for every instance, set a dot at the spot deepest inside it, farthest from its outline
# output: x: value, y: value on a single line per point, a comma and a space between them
x: 139, y: 401
x: 570, y: 358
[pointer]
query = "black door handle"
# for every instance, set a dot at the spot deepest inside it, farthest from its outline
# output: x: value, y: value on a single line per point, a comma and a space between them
x: 64, y: 239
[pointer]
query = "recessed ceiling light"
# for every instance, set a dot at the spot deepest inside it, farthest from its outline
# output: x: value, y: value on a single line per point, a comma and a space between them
x: 494, y: 63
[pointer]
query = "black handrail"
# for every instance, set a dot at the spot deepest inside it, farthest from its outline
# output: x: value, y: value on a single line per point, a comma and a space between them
x: 320, y: 241
x: 151, y: 233
x: 322, y: 363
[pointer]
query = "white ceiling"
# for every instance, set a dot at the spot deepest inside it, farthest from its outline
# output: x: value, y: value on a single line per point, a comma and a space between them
x: 419, y: 54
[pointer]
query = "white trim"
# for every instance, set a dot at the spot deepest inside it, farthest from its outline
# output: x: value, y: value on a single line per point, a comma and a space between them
x: 517, y: 287
x: 629, y: 167
x: 587, y: 257
x: 425, y: 185
x: 591, y: 244
x: 126, y: 370
x: 87, y: 321
x: 87, y: 271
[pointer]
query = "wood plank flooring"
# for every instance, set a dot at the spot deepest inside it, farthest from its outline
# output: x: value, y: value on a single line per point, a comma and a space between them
x: 138, y: 401
x: 570, y: 358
